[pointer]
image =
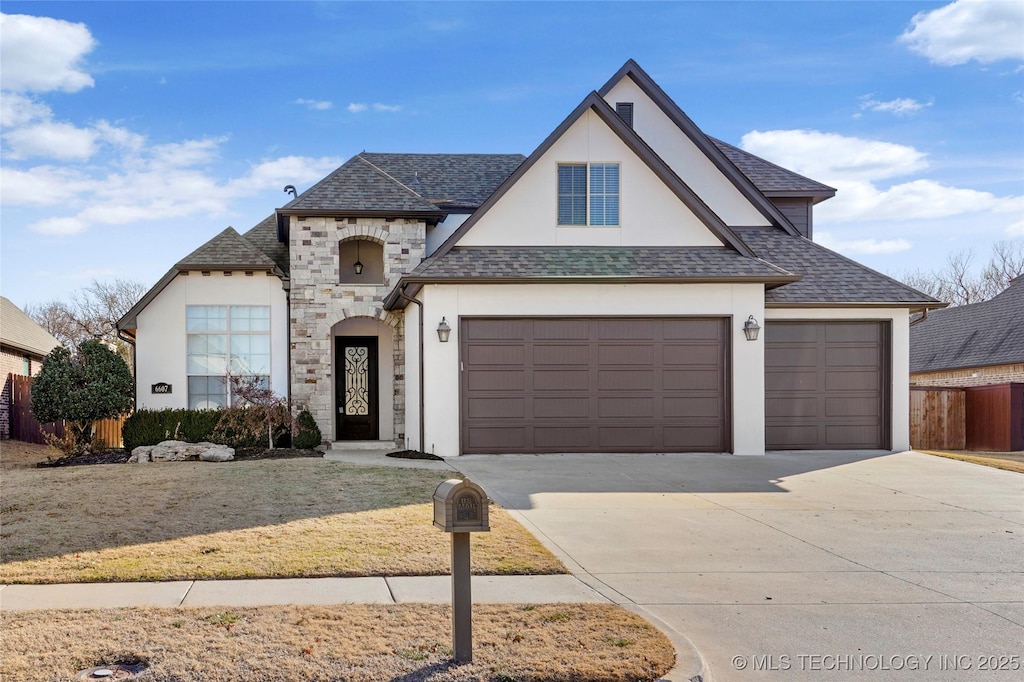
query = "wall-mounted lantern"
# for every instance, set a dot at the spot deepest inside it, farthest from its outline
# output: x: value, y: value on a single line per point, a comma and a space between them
x: 358, y: 266
x: 751, y: 328
x: 443, y: 331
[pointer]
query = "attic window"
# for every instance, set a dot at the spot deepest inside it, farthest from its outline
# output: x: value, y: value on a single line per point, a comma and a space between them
x: 625, y: 112
x: 588, y: 194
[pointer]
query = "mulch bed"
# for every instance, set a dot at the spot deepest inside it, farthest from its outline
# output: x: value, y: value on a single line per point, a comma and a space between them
x: 121, y: 456
x: 414, y: 454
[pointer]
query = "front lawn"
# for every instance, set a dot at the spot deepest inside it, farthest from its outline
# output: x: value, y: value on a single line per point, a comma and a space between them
x: 252, y: 519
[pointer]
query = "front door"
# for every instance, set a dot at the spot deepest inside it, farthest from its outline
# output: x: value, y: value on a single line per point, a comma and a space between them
x: 356, y: 388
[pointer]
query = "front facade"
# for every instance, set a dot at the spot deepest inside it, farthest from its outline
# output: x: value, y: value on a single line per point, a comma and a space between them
x: 596, y: 296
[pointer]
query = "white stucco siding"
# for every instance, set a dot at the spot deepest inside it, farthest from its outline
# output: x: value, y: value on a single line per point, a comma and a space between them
x: 735, y: 301
x: 650, y: 213
x: 161, y: 337
x: 900, y: 355
x: 683, y: 157
x: 439, y: 233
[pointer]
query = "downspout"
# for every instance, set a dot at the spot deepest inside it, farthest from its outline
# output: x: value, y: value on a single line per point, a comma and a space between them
x: 924, y: 316
x: 406, y: 297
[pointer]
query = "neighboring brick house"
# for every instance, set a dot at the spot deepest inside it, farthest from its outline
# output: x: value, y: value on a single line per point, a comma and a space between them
x: 23, y: 345
x: 971, y: 345
x: 602, y: 294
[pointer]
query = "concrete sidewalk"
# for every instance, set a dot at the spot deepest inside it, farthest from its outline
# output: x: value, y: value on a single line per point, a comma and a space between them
x: 533, y: 589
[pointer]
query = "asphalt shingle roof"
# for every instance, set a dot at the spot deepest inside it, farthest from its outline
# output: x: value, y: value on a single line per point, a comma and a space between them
x: 768, y: 177
x: 228, y: 250
x: 976, y: 335
x: 264, y: 237
x: 20, y: 331
x: 827, y: 276
x: 561, y: 262
x: 408, y: 182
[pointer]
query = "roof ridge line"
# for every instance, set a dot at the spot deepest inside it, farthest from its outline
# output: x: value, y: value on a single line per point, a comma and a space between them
x: 387, y: 175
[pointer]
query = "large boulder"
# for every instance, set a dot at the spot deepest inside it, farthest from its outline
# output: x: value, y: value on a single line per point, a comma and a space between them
x: 180, y: 451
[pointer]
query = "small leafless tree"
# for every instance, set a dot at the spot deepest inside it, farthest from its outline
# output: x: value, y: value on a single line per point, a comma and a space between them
x: 257, y: 404
x: 91, y: 313
x: 959, y: 284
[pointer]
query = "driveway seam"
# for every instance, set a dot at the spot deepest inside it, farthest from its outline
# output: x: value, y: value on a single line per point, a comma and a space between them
x: 191, y: 584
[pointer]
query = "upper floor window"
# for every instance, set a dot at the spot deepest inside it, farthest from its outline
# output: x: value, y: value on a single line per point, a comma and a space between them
x: 225, y: 340
x: 588, y: 194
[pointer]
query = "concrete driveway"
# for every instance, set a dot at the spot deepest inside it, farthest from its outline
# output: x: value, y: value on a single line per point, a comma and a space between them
x: 792, y: 566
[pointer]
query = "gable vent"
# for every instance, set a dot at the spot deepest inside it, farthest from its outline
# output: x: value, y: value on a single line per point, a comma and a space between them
x: 625, y: 112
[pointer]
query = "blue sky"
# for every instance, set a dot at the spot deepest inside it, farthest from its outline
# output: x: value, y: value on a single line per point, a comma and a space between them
x: 135, y: 131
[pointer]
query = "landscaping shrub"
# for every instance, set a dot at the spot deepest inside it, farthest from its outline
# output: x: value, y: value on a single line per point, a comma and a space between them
x: 149, y: 427
x: 309, y: 433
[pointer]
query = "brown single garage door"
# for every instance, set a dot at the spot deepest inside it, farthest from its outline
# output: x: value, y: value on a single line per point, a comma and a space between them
x: 826, y: 385
x: 594, y: 385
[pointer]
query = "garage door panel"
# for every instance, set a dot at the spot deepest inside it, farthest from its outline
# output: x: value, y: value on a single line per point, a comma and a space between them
x: 496, y: 355
x: 496, y: 380
x: 563, y: 407
x: 691, y: 380
x: 561, y: 379
x: 852, y: 381
x: 688, y: 408
x: 495, y: 329
x: 595, y: 385
x: 853, y: 333
x: 838, y: 401
x: 497, y: 408
x: 690, y: 329
x: 563, y: 355
x: 640, y: 408
x: 624, y: 330
x: 845, y: 356
x: 628, y: 354
x: 624, y: 380
x: 562, y: 438
x: 691, y: 355
x: 560, y: 330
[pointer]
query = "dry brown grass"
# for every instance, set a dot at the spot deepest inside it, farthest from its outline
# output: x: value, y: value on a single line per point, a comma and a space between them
x: 1007, y: 461
x: 14, y: 454
x: 259, y: 519
x: 373, y: 643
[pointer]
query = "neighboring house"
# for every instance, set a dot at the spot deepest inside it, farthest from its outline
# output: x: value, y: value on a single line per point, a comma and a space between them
x: 590, y: 297
x: 971, y: 345
x: 23, y: 345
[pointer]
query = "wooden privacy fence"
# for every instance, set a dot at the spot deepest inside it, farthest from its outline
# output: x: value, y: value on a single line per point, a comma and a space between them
x: 24, y: 426
x: 968, y: 418
x: 937, y: 418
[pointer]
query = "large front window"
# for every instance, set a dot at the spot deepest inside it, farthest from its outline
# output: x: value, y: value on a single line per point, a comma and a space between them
x: 588, y: 194
x: 225, y: 340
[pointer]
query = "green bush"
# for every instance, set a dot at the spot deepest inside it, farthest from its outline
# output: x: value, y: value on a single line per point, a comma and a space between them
x: 309, y: 433
x: 149, y: 427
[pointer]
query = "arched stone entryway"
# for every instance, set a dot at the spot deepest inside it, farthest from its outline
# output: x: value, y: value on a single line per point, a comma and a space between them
x: 363, y: 356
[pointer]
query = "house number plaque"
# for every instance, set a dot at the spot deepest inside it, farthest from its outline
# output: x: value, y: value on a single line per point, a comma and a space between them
x: 162, y: 387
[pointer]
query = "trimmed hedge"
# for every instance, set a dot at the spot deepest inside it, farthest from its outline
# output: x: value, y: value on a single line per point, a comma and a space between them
x: 309, y: 433
x: 149, y: 427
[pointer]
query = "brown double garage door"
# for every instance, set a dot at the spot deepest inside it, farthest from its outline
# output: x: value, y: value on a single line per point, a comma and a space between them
x: 594, y: 385
x: 535, y: 385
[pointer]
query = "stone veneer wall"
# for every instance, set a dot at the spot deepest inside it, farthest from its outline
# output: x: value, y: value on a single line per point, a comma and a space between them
x: 971, y: 376
x: 319, y: 301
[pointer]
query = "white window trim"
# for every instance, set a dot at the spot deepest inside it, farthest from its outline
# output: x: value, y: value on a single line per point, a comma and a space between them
x: 228, y: 333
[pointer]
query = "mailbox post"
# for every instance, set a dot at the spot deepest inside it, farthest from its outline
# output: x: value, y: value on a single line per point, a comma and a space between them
x: 460, y: 508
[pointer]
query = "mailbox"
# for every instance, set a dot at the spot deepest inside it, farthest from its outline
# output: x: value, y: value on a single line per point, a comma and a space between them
x: 461, y: 507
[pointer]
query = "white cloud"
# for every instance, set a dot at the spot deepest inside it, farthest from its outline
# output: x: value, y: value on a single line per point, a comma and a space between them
x: 902, y: 106
x: 1015, y: 229
x: 862, y: 246
x: 41, y: 186
x: 314, y: 104
x: 287, y: 170
x: 17, y: 110
x: 50, y: 140
x: 856, y: 168
x: 356, y: 107
x: 984, y: 30
x: 40, y: 54
x: 359, y: 107
x: 386, y: 107
x: 59, y: 226
x: 829, y: 157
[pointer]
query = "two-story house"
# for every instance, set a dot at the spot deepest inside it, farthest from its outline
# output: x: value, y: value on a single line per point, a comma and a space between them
x: 633, y: 285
